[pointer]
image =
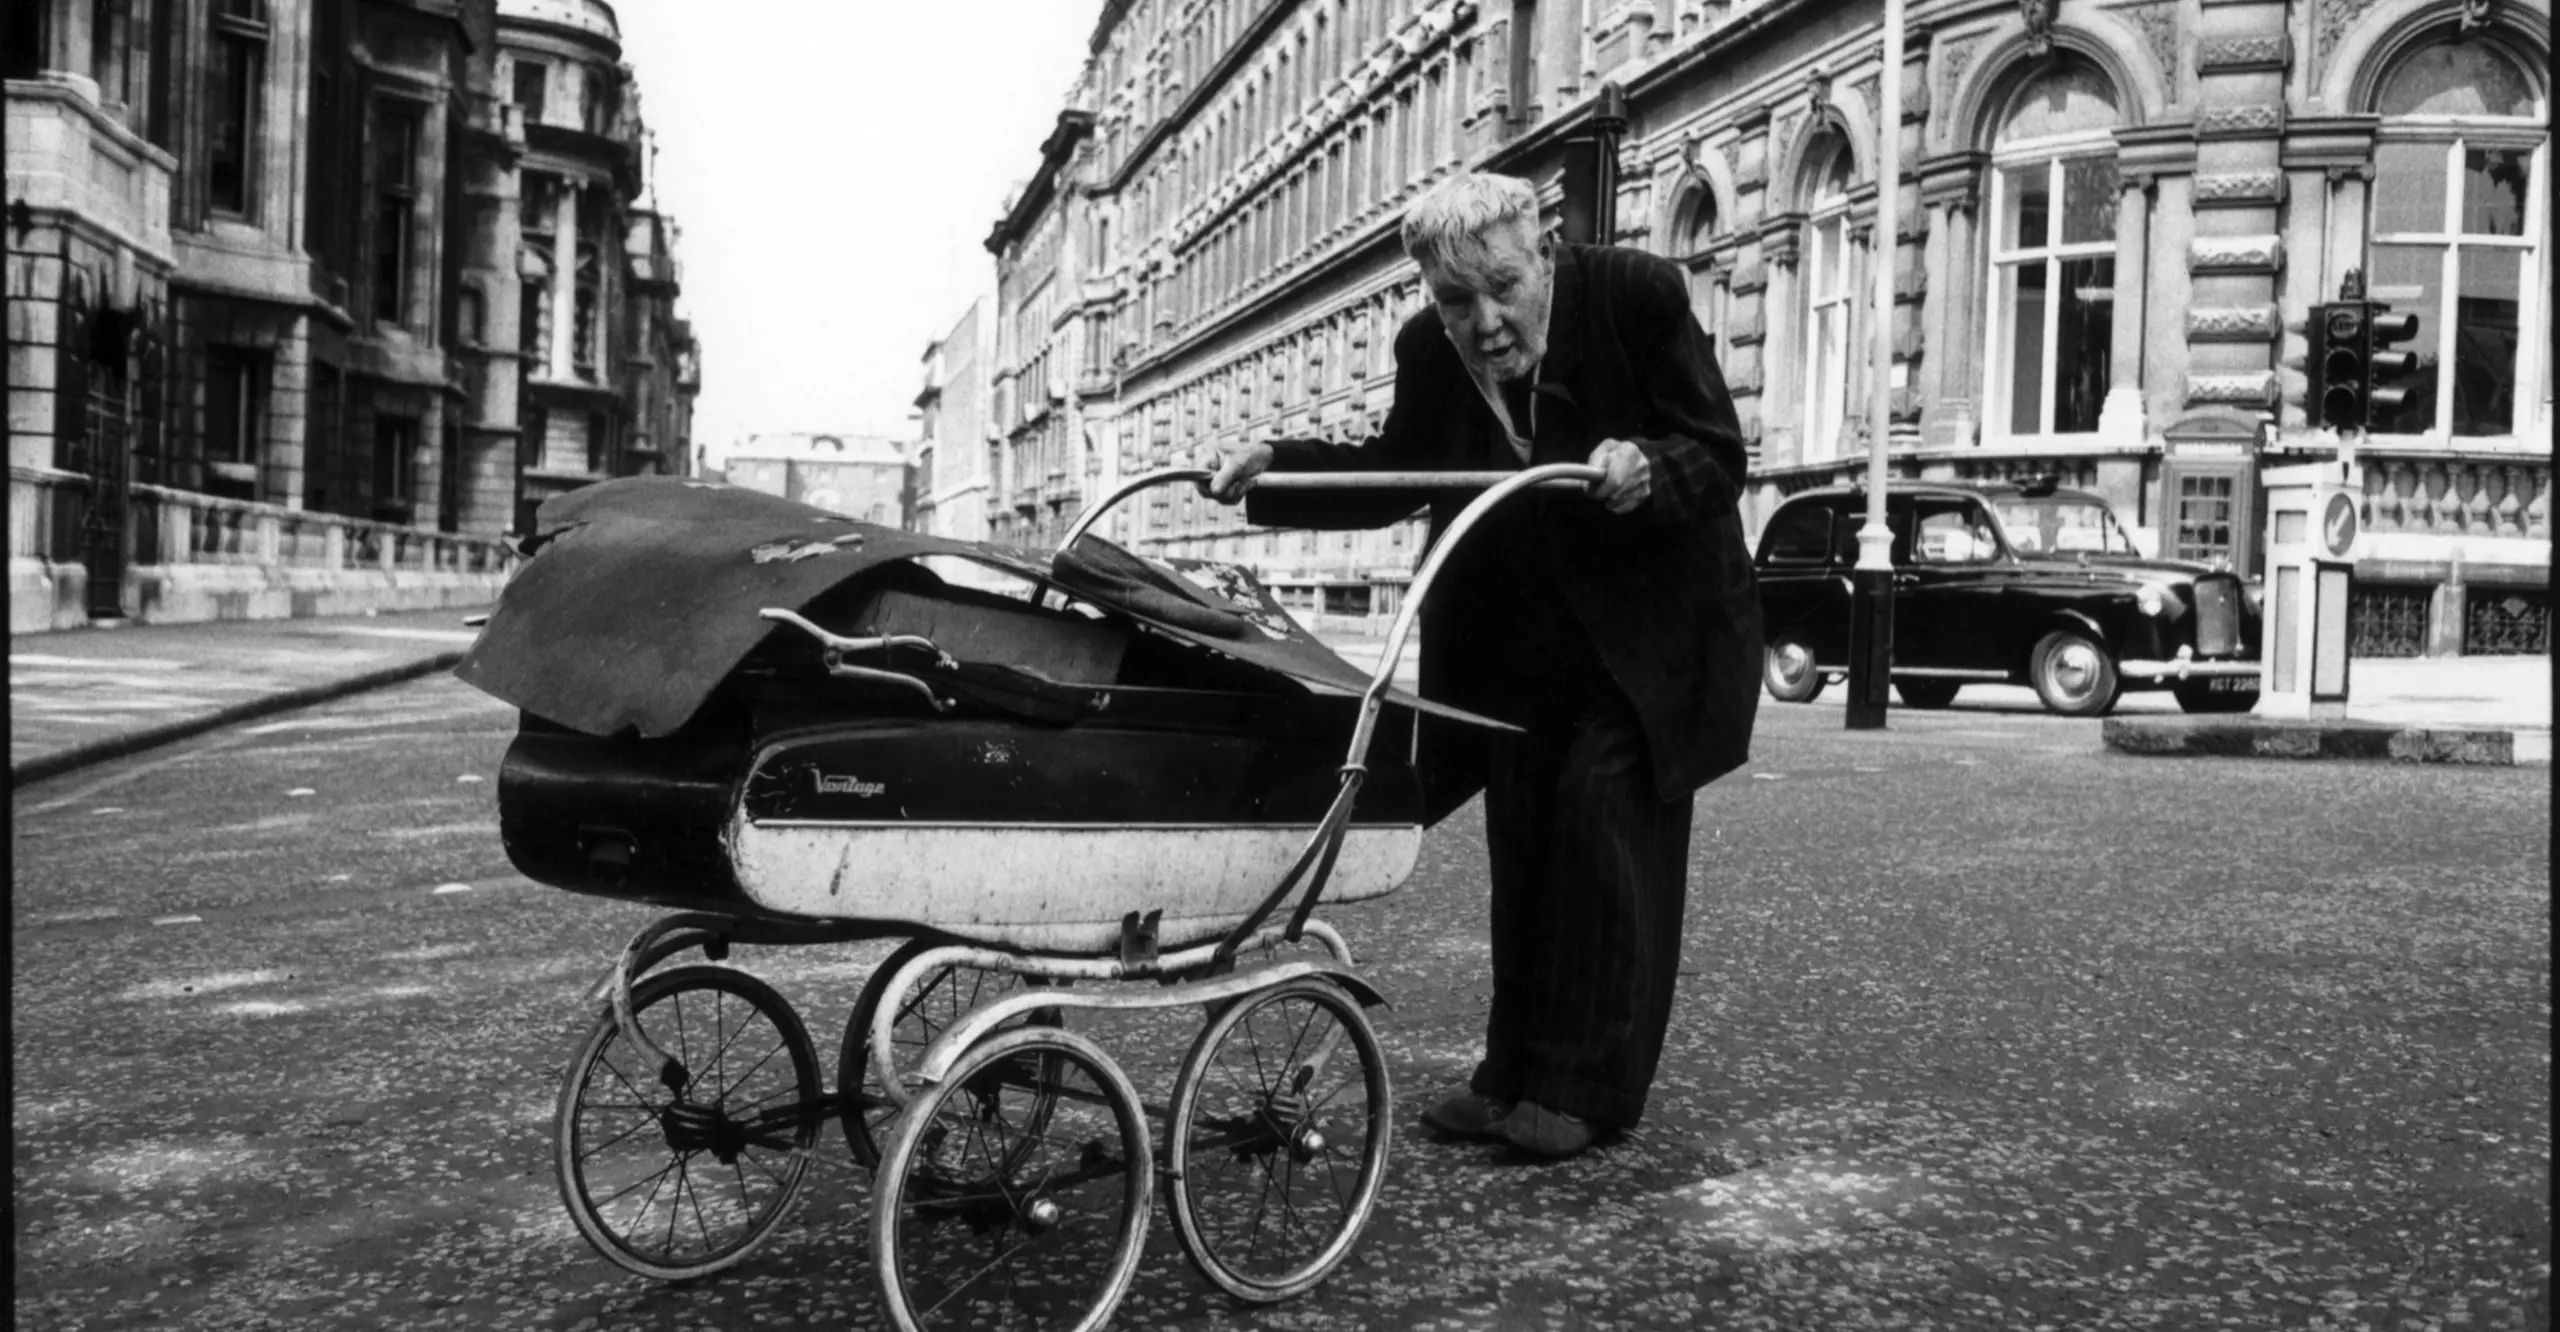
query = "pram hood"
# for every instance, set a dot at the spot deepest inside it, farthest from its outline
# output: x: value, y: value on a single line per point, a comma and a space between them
x: 642, y: 594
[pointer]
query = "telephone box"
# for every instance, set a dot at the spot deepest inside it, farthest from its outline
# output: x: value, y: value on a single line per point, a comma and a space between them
x: 2314, y: 533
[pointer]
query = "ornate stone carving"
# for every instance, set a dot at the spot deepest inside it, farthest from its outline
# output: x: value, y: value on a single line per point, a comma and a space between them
x: 2238, y: 189
x: 2038, y: 15
x: 2333, y: 18
x: 2235, y: 254
x: 2257, y: 120
x: 1817, y: 90
x: 2232, y: 323
x: 1872, y: 92
x: 2341, y: 173
x: 1959, y: 58
x: 2254, y: 389
x: 2158, y: 20
x: 2240, y: 55
x: 2476, y: 13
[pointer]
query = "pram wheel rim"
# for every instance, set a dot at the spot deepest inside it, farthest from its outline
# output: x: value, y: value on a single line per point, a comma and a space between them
x: 1193, y: 1204
x: 644, y: 1120
x: 903, y: 1176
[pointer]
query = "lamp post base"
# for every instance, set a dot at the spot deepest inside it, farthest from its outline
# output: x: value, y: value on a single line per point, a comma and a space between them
x: 1870, y: 647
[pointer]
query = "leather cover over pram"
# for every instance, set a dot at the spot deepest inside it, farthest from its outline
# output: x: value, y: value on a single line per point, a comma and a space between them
x: 642, y: 595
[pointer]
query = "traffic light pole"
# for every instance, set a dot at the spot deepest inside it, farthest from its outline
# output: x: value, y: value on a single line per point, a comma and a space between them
x: 1871, y: 583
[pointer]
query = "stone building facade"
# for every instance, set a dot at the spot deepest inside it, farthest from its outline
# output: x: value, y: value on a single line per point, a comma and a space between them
x: 2110, y: 211
x: 864, y: 477
x: 266, y: 275
x: 955, y: 446
x: 1049, y: 390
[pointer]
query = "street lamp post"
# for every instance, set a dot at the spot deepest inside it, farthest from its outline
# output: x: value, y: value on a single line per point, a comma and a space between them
x: 1871, y: 583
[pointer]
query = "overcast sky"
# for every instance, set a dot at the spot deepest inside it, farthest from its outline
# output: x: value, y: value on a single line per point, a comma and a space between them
x: 835, y: 166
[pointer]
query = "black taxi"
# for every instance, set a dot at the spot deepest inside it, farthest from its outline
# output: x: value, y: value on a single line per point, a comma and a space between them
x: 2005, y: 584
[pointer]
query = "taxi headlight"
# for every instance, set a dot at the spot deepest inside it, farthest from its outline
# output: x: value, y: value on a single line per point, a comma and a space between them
x: 2151, y: 600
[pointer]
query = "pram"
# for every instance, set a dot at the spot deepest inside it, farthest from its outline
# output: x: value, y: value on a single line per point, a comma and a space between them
x: 792, y: 729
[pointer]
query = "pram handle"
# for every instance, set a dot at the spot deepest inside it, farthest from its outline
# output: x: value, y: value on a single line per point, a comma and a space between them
x: 1313, y: 481
x: 836, y: 645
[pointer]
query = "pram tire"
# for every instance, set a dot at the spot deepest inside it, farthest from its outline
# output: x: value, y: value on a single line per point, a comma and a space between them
x: 1236, y: 1175
x: 628, y: 1185
x: 1033, y: 1149
x: 946, y: 995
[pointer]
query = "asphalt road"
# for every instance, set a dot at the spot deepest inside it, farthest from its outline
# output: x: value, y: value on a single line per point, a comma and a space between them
x: 1983, y: 1027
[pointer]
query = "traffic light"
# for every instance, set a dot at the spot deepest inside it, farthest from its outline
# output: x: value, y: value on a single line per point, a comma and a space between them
x: 2347, y: 328
x: 2314, y: 328
x: 2391, y: 377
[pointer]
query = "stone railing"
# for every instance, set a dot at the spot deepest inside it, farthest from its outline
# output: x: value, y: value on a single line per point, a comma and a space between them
x: 181, y: 527
x: 45, y: 510
x: 2458, y: 495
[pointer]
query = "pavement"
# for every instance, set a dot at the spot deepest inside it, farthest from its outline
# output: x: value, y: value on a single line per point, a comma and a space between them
x: 82, y: 696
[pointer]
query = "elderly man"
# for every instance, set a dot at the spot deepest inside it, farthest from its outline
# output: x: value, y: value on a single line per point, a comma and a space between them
x: 1621, y: 630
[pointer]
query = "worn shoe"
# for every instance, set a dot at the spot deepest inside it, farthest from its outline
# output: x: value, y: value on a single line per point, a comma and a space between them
x: 1468, y: 1115
x: 1535, y: 1129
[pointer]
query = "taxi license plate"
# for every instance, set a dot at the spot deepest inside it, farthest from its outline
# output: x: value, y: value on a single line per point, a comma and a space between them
x: 2232, y: 684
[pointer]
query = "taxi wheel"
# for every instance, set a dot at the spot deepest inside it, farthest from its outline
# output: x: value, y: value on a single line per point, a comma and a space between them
x: 2073, y: 675
x: 1789, y: 671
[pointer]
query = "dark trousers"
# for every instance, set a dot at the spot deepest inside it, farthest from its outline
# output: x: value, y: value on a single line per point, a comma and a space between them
x: 1590, y: 878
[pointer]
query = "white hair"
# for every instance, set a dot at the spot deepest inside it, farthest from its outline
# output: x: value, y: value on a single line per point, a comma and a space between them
x: 1446, y: 228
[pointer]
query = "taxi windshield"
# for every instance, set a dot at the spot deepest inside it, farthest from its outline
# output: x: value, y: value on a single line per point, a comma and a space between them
x: 2062, y: 524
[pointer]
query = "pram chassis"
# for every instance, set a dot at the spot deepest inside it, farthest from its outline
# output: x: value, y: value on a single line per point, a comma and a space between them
x: 1010, y: 1045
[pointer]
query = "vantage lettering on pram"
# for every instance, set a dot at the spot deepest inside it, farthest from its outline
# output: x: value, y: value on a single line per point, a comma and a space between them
x: 847, y: 785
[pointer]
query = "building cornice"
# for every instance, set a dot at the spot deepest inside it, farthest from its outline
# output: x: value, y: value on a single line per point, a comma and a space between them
x: 1072, y: 129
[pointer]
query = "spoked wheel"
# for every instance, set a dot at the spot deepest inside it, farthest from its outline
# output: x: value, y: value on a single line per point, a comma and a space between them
x: 1276, y: 1143
x: 1014, y: 1193
x: 674, y: 1183
x: 924, y: 1012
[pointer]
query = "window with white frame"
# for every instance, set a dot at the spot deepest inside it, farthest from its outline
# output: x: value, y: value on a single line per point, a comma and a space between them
x: 2461, y: 221
x: 2050, y: 335
x: 1829, y: 281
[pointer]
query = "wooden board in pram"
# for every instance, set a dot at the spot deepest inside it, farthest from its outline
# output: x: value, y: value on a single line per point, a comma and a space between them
x: 1152, y: 736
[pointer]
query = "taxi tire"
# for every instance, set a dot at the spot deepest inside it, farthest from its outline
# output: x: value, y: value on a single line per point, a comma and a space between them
x: 1802, y: 686
x: 2061, y: 654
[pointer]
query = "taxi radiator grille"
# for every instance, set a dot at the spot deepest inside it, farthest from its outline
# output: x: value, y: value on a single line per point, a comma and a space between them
x: 2217, y: 617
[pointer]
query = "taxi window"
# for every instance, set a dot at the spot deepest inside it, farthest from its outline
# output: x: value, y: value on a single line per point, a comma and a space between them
x: 1954, y: 534
x: 1799, y: 535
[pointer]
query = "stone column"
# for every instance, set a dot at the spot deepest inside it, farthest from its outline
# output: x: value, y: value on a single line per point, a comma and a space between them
x: 563, y: 296
x: 1958, y: 336
x: 2120, y: 423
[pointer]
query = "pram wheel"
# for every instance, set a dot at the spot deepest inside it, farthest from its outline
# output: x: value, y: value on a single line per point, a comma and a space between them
x: 924, y: 1012
x: 1015, y: 1191
x: 675, y: 1184
x: 1276, y: 1146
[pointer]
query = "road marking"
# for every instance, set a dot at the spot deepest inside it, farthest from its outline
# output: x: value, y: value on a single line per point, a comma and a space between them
x: 177, y: 920
x: 300, y: 791
x: 1768, y: 776
x: 424, y: 635
x: 17, y: 659
x: 444, y: 888
x: 213, y: 746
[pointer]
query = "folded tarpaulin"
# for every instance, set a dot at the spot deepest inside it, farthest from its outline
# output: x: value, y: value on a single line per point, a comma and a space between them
x: 641, y: 595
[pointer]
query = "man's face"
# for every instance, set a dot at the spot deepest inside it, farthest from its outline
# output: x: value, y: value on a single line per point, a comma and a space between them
x: 1495, y: 308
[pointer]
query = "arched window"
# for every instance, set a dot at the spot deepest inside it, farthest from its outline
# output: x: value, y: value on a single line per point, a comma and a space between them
x: 2461, y: 220
x: 1830, y: 279
x: 1710, y: 283
x: 2053, y: 257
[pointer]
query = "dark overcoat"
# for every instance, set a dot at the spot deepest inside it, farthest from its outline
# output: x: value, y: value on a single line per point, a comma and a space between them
x: 1665, y: 593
